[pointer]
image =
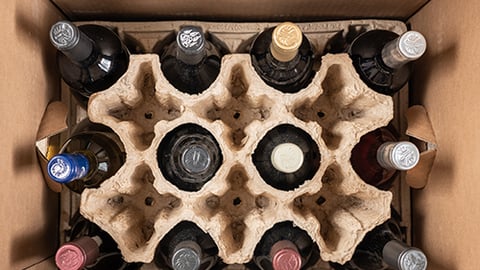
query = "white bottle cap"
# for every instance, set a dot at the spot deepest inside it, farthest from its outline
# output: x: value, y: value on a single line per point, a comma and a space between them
x: 287, y: 157
x: 412, y: 44
x: 401, y: 155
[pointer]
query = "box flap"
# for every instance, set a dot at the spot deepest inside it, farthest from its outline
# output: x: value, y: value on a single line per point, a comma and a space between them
x: 53, y: 122
x: 240, y: 10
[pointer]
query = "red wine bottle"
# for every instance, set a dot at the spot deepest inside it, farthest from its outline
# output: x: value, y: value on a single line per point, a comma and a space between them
x: 90, y: 248
x: 92, y: 154
x: 189, y: 156
x: 286, y: 157
x: 383, y: 58
x: 187, y: 247
x: 285, y: 247
x: 90, y: 57
x: 283, y: 57
x: 384, y: 248
x: 379, y: 155
x: 191, y: 63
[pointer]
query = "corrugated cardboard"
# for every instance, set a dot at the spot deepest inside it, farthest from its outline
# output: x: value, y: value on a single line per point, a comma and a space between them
x: 28, y: 211
x: 446, y: 82
x: 239, y: 10
x: 447, y: 210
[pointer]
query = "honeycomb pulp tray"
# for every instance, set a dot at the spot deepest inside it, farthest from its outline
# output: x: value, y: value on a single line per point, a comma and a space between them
x: 137, y: 206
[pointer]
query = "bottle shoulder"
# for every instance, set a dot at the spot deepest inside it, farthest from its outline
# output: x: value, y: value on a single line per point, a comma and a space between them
x: 106, y: 40
x: 370, y: 44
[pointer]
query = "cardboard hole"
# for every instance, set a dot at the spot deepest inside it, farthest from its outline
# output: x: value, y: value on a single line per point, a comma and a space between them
x: 237, y: 201
x: 149, y: 201
x: 148, y: 115
x: 321, y: 200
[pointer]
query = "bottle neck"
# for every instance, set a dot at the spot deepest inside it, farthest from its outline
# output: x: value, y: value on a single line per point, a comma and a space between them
x: 187, y: 255
x: 78, y: 253
x: 403, y: 257
x: 285, y: 256
x: 398, y: 155
x: 71, y: 41
x: 286, y: 39
x: 64, y: 168
x: 196, y: 158
x: 408, y: 47
x: 191, y: 45
x: 287, y: 157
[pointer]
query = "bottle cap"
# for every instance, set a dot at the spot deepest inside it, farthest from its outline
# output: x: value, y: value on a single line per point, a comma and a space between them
x: 285, y: 256
x: 77, y: 254
x: 64, y: 35
x: 404, y: 155
x: 187, y: 256
x: 64, y: 168
x: 191, y: 42
x: 412, y: 45
x: 403, y: 257
x: 287, y: 157
x: 196, y: 159
x: 286, y: 39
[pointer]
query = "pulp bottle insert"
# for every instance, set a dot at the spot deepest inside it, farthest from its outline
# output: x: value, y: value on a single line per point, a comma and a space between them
x: 237, y: 225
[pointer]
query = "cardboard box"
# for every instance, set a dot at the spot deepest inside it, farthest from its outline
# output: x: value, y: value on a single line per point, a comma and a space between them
x: 444, y: 212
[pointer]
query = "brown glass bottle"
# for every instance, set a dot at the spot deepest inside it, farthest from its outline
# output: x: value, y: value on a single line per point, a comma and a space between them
x: 187, y: 247
x: 282, y: 56
x: 284, y: 247
x: 378, y: 156
x: 92, y: 154
x: 286, y: 157
x: 90, y: 57
x: 383, y: 59
x: 192, y: 62
x: 384, y: 248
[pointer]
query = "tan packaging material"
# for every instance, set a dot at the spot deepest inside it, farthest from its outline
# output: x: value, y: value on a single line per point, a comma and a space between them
x: 420, y: 127
x: 348, y: 208
x: 54, y: 121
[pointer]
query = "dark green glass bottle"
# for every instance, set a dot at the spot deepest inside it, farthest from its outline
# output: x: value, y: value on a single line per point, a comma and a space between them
x: 91, y: 57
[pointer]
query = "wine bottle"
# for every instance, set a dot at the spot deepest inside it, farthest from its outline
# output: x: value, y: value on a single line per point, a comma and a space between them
x: 90, y: 57
x: 286, y: 157
x: 383, y: 248
x: 186, y: 247
x: 191, y: 63
x: 383, y: 58
x: 92, y: 154
x: 378, y: 156
x: 285, y: 247
x: 90, y: 248
x: 189, y: 156
x: 282, y: 56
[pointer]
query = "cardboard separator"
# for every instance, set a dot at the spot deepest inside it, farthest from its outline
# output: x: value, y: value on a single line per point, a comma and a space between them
x: 54, y: 122
x: 420, y: 128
